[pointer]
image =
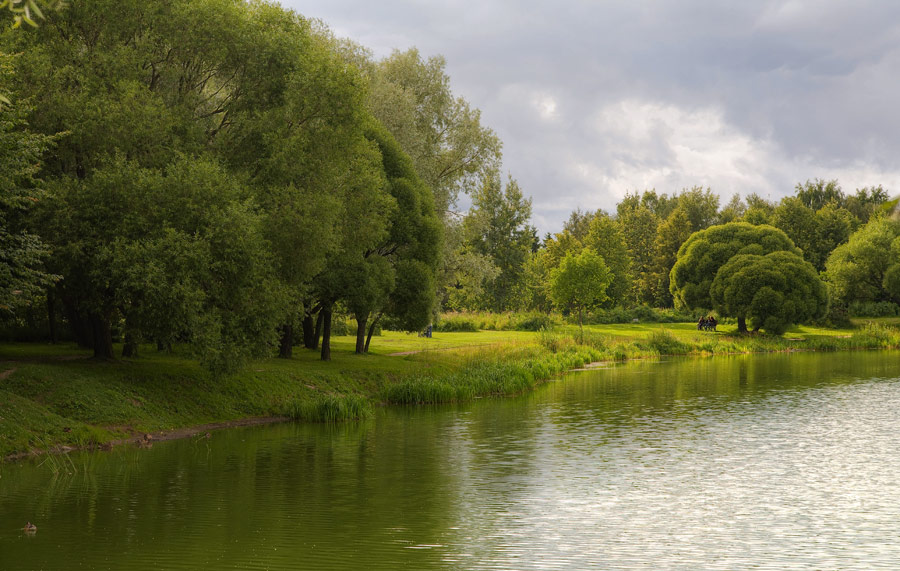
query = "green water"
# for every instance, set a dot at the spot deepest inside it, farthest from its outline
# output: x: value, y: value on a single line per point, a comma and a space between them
x: 788, y: 461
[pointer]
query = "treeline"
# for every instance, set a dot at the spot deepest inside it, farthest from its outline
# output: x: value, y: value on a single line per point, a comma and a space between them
x: 225, y: 175
x: 229, y: 176
x: 850, y: 240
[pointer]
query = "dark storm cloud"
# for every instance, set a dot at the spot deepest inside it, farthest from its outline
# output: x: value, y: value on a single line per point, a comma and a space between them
x: 593, y: 99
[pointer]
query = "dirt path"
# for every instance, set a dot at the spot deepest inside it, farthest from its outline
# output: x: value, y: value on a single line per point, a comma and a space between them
x: 7, y: 373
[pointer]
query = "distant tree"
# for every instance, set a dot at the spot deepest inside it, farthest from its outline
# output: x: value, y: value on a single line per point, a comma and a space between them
x: 759, y: 210
x: 605, y: 237
x: 733, y: 211
x: 497, y: 226
x: 670, y: 235
x: 701, y: 206
x: 579, y: 223
x: 866, y: 202
x: 866, y: 268
x: 701, y: 256
x: 772, y: 291
x: 639, y: 229
x: 817, y: 193
x: 580, y: 282
x: 465, y: 271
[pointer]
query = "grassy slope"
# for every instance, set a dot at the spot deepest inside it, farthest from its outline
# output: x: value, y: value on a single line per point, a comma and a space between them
x: 56, y: 395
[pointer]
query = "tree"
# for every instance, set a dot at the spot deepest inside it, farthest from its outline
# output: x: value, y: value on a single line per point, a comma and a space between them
x: 866, y: 202
x: 867, y: 266
x: 580, y: 283
x: 772, y: 291
x: 701, y: 256
x: 759, y: 210
x: 670, y: 235
x: 817, y: 193
x: 733, y: 211
x: 639, y: 228
x: 497, y: 227
x: 816, y: 233
x: 465, y: 271
x: 23, y: 276
x: 605, y: 237
x: 442, y: 133
x: 413, y: 244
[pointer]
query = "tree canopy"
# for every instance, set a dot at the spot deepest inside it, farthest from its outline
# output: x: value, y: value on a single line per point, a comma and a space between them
x: 772, y: 291
x: 701, y: 256
x: 580, y: 282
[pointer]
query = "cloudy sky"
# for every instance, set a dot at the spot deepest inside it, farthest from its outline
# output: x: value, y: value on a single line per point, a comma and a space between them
x: 593, y: 99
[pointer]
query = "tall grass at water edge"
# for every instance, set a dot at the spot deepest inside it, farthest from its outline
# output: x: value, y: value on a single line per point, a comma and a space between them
x: 330, y: 408
x: 513, y: 372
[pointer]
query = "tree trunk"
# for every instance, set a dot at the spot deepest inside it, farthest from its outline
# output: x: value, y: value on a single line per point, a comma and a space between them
x: 286, y: 350
x: 51, y: 316
x: 102, y: 337
x: 325, y: 314
x: 742, y: 325
x: 309, y: 331
x: 319, y: 320
x: 361, y: 334
x: 371, y: 331
x: 81, y: 326
x: 130, y: 348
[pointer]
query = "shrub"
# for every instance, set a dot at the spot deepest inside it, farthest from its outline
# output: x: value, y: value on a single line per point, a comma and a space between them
x: 642, y: 313
x: 874, y: 309
x: 665, y: 343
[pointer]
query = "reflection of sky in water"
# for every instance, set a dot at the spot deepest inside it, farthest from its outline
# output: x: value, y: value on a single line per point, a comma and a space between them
x: 766, y: 462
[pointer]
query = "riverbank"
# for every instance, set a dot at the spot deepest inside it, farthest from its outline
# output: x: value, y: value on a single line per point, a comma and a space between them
x: 55, y: 396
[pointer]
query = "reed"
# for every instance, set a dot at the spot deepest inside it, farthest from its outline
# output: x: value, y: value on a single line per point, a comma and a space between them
x: 330, y: 408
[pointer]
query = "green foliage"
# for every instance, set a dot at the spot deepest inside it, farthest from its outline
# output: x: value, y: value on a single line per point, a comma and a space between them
x: 772, y: 291
x: 497, y: 228
x: 478, y: 321
x: 874, y: 309
x: 605, y: 238
x: 701, y: 256
x: 641, y: 314
x: 580, y: 282
x: 815, y: 232
x: 867, y: 268
x: 23, y: 276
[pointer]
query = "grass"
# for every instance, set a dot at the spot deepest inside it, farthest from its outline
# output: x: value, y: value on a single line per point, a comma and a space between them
x: 56, y: 396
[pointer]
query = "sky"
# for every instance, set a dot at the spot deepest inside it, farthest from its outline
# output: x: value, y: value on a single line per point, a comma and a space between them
x: 597, y: 98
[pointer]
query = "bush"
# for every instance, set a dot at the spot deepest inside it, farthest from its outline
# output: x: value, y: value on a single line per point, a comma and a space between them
x: 471, y: 321
x: 642, y: 313
x: 874, y: 309
x: 665, y: 343
x: 450, y: 322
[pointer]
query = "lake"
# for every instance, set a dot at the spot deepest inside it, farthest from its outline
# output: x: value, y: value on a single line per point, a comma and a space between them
x: 780, y: 461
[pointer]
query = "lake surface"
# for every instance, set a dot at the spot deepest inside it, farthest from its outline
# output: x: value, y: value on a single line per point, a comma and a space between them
x: 787, y: 461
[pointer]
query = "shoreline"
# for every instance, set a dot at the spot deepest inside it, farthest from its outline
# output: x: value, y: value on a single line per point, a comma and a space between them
x: 63, y: 403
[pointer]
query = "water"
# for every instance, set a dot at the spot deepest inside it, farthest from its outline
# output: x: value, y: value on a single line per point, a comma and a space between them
x: 763, y: 462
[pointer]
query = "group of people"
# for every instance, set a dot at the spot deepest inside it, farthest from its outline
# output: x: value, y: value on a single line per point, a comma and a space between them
x: 707, y: 324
